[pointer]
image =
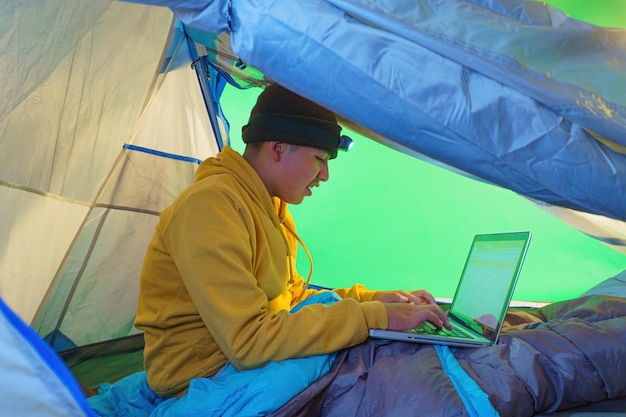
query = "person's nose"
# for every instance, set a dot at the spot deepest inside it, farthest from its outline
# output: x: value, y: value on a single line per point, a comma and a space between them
x: 324, y: 172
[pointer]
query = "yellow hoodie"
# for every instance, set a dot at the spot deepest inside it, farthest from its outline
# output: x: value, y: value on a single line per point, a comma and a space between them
x: 219, y: 279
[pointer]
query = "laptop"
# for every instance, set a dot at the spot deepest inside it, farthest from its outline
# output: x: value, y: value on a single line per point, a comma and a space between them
x: 482, y: 296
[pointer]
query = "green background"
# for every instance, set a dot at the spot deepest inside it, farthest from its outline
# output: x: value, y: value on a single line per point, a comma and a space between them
x: 390, y: 221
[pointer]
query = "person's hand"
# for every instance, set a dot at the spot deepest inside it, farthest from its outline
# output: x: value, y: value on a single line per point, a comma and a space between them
x: 413, y: 297
x: 404, y: 316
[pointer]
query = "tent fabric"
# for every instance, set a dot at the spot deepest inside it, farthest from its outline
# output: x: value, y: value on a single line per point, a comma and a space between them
x: 513, y: 113
x: 106, y: 128
x: 451, y: 106
x: 34, y: 382
x: 64, y: 123
x: 119, y: 215
x: 514, y: 43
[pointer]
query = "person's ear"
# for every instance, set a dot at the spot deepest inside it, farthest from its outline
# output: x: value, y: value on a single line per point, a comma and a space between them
x: 276, y: 148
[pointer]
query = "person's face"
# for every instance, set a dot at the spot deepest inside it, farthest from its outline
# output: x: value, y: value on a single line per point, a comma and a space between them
x: 302, y: 169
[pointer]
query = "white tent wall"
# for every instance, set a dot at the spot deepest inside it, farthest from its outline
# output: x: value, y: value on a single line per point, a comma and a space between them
x: 28, y: 261
x: 78, y: 206
x: 94, y: 295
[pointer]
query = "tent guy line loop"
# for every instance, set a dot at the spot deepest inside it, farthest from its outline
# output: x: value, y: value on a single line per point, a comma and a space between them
x: 199, y: 60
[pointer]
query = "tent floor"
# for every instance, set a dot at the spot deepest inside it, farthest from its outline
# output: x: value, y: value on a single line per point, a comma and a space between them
x: 107, y: 361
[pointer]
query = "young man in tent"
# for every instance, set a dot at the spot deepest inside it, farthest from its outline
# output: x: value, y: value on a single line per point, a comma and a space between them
x: 219, y: 277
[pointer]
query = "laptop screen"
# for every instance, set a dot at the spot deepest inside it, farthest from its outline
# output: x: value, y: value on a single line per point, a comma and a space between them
x: 488, y: 281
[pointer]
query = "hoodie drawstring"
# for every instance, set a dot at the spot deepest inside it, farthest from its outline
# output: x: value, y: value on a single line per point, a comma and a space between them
x: 290, y: 255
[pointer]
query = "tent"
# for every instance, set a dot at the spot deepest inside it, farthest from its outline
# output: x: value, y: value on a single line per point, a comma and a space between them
x: 109, y: 106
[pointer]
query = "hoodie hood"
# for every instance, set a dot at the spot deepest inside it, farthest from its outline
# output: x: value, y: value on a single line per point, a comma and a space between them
x: 231, y: 163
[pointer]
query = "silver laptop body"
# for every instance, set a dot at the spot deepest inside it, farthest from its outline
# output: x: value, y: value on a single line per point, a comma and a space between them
x: 482, y: 297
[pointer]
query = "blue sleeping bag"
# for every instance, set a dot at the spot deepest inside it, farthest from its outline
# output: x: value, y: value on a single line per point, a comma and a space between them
x: 255, y: 392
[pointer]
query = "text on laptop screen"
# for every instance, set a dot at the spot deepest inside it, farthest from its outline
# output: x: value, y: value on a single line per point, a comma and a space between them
x: 482, y: 293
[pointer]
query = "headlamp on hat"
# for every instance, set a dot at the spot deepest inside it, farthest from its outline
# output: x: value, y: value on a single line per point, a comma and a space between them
x: 345, y: 143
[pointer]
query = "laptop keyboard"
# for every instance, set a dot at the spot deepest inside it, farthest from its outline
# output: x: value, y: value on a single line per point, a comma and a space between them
x: 430, y: 329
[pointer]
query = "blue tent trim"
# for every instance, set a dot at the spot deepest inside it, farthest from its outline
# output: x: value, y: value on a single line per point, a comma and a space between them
x: 211, y: 84
x: 162, y: 154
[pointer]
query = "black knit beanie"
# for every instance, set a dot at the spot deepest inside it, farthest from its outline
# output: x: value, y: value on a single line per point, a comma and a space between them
x: 283, y: 116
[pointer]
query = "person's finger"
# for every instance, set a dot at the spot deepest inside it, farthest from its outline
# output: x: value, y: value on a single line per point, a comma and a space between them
x: 424, y: 296
x: 443, y: 317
